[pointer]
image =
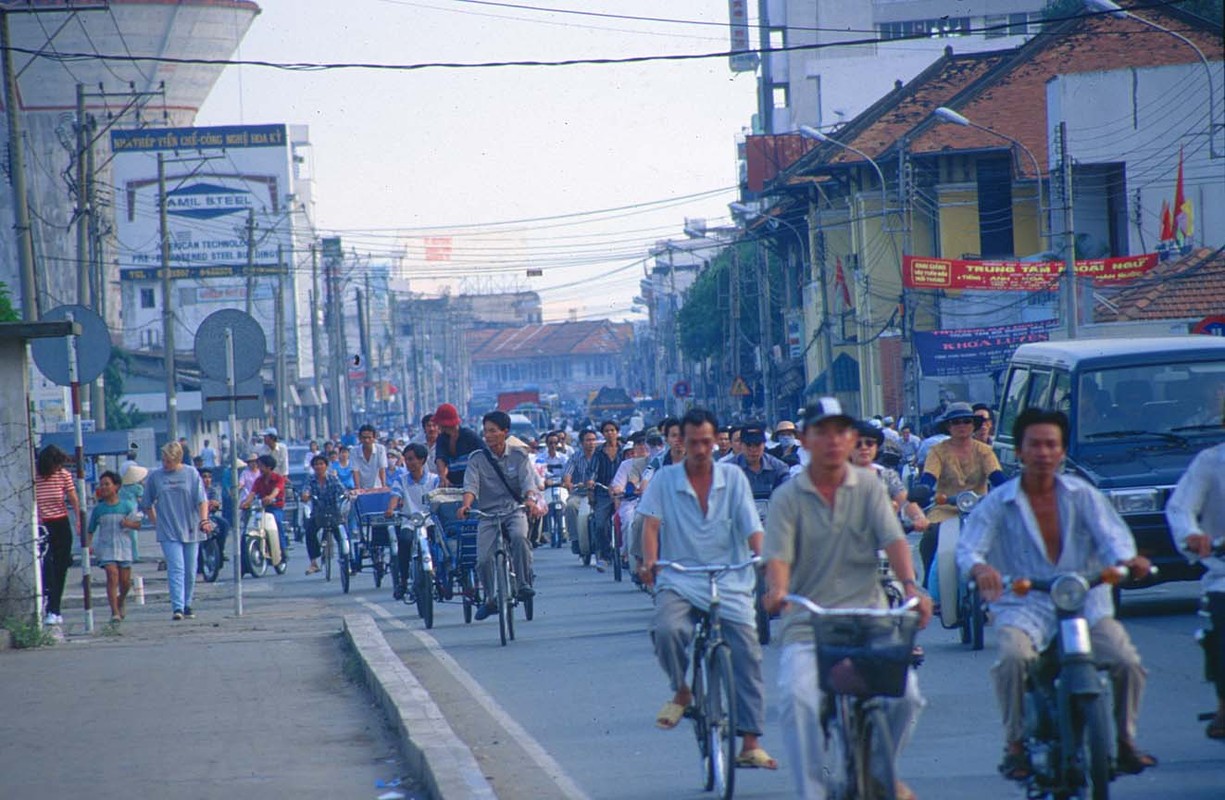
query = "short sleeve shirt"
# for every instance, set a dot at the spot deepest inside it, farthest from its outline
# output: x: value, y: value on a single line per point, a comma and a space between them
x: 954, y: 475
x: 264, y: 485
x: 720, y: 536
x: 176, y: 495
x: 456, y: 459
x: 831, y: 550
x: 482, y: 480
x: 367, y: 469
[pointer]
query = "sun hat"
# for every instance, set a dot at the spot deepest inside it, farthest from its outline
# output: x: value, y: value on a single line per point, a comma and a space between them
x: 132, y: 473
x: 958, y: 411
x: 447, y: 416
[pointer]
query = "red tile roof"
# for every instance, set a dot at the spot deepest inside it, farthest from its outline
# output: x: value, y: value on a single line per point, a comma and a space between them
x: 596, y: 337
x: 1188, y: 287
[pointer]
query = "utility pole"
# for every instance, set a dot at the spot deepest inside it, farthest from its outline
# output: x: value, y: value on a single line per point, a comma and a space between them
x: 172, y: 396
x: 910, y: 361
x: 97, y: 271
x: 734, y: 303
x: 316, y: 334
x: 278, y: 337
x: 765, y: 333
x: 83, y: 212
x: 336, y: 402
x: 1070, y: 309
x: 827, y: 341
x: 250, y: 261
x: 17, y: 177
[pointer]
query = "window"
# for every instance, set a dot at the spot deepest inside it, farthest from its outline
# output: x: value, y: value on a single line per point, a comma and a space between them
x: 1014, y: 397
x: 778, y: 38
x: 995, y: 27
x: 146, y: 299
x: 1018, y: 24
x: 781, y: 93
x: 933, y: 28
x: 1061, y: 395
x: 995, y: 207
x: 1039, y: 382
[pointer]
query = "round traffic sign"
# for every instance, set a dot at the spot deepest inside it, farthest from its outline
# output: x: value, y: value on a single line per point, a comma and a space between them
x: 249, y: 344
x: 1213, y: 326
x: 93, y: 346
x: 682, y: 389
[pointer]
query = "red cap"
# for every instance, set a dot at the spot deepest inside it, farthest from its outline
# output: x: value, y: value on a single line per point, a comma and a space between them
x: 447, y: 416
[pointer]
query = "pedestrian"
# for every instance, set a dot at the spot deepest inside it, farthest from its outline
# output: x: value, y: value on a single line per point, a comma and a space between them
x: 109, y: 524
x: 823, y: 532
x: 176, y: 503
x: 209, y: 455
x: 54, y: 494
x: 133, y: 488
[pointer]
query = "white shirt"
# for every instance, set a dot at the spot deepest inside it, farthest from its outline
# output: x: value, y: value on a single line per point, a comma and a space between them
x: 368, y: 468
x: 1198, y: 506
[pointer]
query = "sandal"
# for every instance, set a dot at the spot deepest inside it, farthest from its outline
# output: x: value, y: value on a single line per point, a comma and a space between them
x: 1016, y: 766
x: 757, y: 758
x: 669, y: 716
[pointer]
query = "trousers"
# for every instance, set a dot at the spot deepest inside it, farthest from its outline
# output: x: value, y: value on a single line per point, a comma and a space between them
x: 56, y: 561
x: 672, y: 632
x: 487, y: 536
x: 1114, y: 652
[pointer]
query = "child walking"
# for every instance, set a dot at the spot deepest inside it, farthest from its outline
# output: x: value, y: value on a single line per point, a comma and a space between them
x: 109, y: 523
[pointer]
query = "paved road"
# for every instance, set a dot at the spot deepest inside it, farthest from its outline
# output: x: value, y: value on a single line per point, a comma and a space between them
x: 582, y: 683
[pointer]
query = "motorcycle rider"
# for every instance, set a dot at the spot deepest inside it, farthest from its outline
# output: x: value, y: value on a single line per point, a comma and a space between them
x: 910, y: 446
x: 1038, y: 525
x: 787, y: 449
x: 1196, y: 513
x: 764, y: 471
x: 733, y: 436
x: 822, y: 535
x: 409, y: 490
x: 627, y: 486
x: 605, y: 463
x: 869, y: 439
x: 269, y: 489
x: 579, y: 469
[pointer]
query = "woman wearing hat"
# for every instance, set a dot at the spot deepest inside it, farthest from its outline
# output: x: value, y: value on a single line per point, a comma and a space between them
x: 959, y: 464
x: 868, y: 441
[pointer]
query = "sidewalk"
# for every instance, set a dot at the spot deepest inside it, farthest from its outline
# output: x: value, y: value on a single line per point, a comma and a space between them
x: 267, y: 705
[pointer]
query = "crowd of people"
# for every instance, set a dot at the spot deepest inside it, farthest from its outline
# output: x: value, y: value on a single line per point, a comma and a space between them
x: 839, y: 494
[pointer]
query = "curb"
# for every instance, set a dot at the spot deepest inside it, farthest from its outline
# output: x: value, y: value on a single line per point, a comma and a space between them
x: 429, y: 745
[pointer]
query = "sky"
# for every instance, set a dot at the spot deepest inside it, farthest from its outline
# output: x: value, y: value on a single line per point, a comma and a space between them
x: 399, y: 156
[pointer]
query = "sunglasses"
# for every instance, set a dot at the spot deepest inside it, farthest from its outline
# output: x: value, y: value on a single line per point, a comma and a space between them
x: 866, y: 443
x: 961, y: 421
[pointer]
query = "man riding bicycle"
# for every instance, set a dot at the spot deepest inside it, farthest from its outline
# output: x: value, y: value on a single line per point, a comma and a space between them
x: 325, y: 494
x: 697, y: 512
x: 578, y: 471
x: 409, y: 490
x: 500, y: 480
x: 823, y: 530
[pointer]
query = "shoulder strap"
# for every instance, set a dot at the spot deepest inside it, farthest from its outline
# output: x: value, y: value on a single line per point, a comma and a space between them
x: 501, y: 475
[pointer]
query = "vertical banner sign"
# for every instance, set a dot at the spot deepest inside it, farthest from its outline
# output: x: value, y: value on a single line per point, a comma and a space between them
x: 742, y: 59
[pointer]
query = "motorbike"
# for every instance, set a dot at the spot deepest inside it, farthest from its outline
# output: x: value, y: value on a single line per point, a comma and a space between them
x: 555, y: 503
x: 580, y: 538
x: 759, y: 591
x: 961, y: 606
x: 425, y: 565
x: 209, y: 555
x: 1068, y: 730
x: 261, y: 544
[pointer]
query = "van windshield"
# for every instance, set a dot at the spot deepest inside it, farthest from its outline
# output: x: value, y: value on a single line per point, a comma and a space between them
x: 1163, y: 400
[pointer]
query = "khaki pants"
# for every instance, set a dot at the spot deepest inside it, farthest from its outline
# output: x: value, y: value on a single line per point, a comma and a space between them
x: 1114, y: 653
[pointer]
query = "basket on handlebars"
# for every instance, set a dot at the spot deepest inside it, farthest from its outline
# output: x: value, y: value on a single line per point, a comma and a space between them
x: 864, y: 656
x: 441, y: 496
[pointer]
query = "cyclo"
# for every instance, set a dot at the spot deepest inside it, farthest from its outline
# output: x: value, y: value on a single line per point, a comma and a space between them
x: 375, y: 538
x: 459, y: 544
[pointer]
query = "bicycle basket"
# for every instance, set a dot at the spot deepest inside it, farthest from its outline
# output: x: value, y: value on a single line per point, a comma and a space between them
x: 442, y: 496
x: 864, y: 656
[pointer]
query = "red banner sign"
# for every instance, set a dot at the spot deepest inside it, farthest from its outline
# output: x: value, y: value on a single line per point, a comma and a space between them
x: 1017, y: 276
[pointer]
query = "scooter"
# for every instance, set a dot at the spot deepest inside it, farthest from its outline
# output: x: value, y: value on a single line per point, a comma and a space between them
x: 261, y: 545
x: 961, y: 606
x: 1068, y: 730
x: 555, y: 514
x: 580, y: 539
x: 759, y: 590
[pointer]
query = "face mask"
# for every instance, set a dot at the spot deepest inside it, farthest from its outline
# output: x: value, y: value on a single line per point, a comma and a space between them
x: 786, y: 441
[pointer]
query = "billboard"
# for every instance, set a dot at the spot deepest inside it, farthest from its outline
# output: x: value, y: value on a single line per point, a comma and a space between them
x: 919, y: 272
x: 975, y: 351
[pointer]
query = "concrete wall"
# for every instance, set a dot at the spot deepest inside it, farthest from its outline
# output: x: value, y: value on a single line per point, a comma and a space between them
x: 18, y: 587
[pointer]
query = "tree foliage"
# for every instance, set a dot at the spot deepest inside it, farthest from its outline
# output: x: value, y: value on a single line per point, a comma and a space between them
x: 7, y: 312
x: 119, y: 415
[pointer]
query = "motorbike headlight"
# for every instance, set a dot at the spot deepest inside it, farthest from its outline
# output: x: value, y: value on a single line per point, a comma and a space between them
x: 1135, y: 501
x: 1068, y: 592
x: 966, y: 502
x: 416, y: 520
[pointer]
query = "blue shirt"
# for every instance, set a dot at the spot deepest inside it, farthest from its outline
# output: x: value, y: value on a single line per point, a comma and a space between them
x: 772, y: 473
x: 412, y: 492
x: 721, y: 536
x: 1003, y: 532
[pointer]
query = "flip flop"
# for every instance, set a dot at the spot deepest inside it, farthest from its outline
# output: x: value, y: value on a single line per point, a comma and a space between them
x: 669, y: 716
x: 757, y: 758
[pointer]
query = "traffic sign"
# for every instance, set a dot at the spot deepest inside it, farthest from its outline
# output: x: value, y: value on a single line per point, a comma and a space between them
x: 249, y: 344
x: 1213, y: 326
x: 682, y: 389
x: 740, y: 388
x: 93, y: 346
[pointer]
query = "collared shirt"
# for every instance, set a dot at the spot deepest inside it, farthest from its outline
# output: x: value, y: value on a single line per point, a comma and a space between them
x: 831, y: 550
x: 280, y: 453
x: 580, y: 468
x: 366, y: 470
x: 1002, y: 531
x: 325, y: 497
x: 1198, y: 506
x: 245, y: 481
x: 891, y: 480
x: 265, y: 485
x: 482, y: 480
x: 456, y: 458
x: 910, y: 448
x: 720, y: 536
x: 773, y: 473
x: 604, y: 469
x: 412, y: 492
x: 629, y: 478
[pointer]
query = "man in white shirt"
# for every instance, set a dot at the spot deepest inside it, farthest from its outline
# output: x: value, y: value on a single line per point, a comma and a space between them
x: 272, y: 446
x: 369, y: 461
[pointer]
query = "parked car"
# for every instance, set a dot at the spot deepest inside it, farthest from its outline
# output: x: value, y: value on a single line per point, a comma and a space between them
x: 1140, y: 410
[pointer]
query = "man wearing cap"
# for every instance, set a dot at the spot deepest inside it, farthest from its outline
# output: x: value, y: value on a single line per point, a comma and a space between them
x: 822, y: 534
x: 787, y: 449
x: 272, y: 446
x: 765, y: 472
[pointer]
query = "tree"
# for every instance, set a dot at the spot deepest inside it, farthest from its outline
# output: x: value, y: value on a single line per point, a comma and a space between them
x: 119, y: 415
x: 7, y: 312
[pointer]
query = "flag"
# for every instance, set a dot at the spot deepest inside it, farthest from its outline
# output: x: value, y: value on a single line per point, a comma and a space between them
x: 840, y: 283
x: 1184, y: 216
x: 1167, y: 222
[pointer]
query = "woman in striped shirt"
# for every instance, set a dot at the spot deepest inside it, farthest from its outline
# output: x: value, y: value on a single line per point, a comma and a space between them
x: 54, y: 493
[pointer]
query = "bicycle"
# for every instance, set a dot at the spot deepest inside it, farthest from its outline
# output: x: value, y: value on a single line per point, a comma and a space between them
x: 863, y: 656
x: 713, y: 685
x: 330, y: 528
x: 614, y: 546
x: 376, y: 538
x: 428, y: 568
x: 504, y: 579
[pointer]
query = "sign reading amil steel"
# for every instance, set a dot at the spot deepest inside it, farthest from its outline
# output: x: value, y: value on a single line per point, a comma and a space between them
x: 919, y: 272
x: 214, y: 178
x: 975, y: 351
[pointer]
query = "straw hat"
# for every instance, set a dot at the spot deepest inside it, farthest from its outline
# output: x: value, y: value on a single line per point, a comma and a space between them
x: 133, y: 473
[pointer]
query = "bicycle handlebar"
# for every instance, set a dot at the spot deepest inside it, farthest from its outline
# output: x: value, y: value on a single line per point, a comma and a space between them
x: 821, y: 611
x: 474, y: 512
x: 707, y: 569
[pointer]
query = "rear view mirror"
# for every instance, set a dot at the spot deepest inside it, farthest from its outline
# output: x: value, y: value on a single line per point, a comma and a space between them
x: 920, y: 494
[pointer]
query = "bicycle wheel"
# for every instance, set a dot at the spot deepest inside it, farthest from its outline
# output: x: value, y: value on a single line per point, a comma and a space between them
x: 978, y: 619
x: 326, y: 555
x: 721, y: 722
x: 376, y: 564
x: 424, y: 589
x: 874, y: 756
x: 210, y: 559
x: 697, y: 709
x: 616, y: 559
x: 1094, y: 720
x: 467, y: 592
x: 342, y: 563
x: 502, y: 596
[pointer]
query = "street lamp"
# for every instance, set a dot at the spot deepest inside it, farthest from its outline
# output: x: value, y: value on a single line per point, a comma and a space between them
x: 812, y: 133
x: 1114, y: 10
x: 945, y: 114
